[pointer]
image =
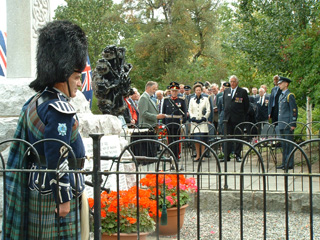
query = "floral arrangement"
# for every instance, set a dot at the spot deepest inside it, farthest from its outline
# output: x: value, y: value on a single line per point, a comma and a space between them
x: 162, y: 132
x: 168, y: 186
x: 128, y: 211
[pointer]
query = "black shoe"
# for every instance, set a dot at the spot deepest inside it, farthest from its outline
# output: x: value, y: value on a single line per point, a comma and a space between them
x: 280, y: 167
x: 238, y: 159
x: 222, y: 160
x: 193, y: 155
x: 198, y: 160
x: 207, y: 155
x: 289, y: 168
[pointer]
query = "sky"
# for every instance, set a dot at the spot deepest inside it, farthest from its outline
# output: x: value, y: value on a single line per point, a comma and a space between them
x: 3, y: 11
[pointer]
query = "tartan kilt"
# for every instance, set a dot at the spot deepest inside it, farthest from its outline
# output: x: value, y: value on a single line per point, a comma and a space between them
x: 49, y: 220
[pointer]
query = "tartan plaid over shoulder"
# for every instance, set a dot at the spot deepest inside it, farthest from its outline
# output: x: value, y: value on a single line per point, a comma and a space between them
x: 17, y: 185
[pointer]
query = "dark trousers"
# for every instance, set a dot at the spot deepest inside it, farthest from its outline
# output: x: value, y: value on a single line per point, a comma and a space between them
x: 287, y: 147
x: 174, y: 135
x: 231, y: 130
x: 274, y: 114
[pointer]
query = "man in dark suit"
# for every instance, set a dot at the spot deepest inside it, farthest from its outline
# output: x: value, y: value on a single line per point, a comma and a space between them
x: 273, y: 105
x: 262, y: 108
x: 236, y: 106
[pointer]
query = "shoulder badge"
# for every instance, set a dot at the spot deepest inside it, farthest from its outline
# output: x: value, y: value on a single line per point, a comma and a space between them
x: 63, y: 107
x: 288, y: 97
x: 62, y: 129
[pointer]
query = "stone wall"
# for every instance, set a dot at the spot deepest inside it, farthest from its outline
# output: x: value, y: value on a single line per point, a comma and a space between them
x: 253, y: 200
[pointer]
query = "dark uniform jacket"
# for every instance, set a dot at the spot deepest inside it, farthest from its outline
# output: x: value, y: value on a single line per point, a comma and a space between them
x: 174, y: 108
x: 50, y: 115
x: 288, y: 111
x: 236, y: 108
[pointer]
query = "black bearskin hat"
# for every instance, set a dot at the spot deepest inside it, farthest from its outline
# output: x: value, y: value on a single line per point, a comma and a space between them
x: 62, y: 50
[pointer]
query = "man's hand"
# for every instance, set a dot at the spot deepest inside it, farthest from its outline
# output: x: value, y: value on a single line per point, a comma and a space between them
x: 161, y: 116
x: 64, y: 209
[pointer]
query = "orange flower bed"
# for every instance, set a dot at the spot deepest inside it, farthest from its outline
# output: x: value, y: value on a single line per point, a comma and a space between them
x: 128, y: 211
x: 168, y: 192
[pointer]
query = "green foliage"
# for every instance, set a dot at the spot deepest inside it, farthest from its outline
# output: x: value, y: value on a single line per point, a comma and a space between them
x: 109, y: 225
x: 99, y: 19
x: 302, y: 55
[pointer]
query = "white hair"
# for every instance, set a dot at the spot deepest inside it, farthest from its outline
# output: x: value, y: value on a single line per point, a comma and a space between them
x: 235, y: 77
x: 215, y: 85
x: 159, y: 91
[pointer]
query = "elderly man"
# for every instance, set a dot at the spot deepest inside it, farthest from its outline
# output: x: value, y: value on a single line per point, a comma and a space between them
x: 160, y: 98
x: 236, y: 106
x: 262, y: 106
x: 288, y: 114
x: 147, y: 107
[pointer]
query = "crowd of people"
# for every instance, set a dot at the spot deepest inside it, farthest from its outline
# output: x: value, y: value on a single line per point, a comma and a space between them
x: 206, y: 108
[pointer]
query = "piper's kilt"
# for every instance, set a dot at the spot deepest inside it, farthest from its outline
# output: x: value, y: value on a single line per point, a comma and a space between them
x: 49, y: 221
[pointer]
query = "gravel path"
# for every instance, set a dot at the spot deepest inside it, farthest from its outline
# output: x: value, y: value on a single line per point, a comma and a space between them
x: 299, y: 225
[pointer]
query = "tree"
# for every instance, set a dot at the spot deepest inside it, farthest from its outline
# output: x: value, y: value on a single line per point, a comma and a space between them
x: 263, y: 27
x: 100, y: 19
x: 302, y: 56
x: 173, y: 36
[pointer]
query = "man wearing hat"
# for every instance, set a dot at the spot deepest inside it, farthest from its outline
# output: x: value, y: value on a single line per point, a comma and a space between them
x: 187, y: 92
x: 287, y: 117
x: 61, y: 57
x: 175, y: 111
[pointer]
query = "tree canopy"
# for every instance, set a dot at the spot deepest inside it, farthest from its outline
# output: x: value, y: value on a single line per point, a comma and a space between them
x: 207, y: 40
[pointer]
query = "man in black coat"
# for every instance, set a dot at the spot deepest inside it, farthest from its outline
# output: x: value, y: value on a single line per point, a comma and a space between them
x: 236, y: 106
x: 273, y: 106
x: 262, y: 106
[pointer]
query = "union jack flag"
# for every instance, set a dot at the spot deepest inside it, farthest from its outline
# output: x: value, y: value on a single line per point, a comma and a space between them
x: 87, y: 82
x: 3, y: 54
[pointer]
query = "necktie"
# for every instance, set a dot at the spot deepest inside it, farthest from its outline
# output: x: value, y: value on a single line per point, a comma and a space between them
x: 160, y: 106
x: 261, y: 101
x: 232, y: 91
